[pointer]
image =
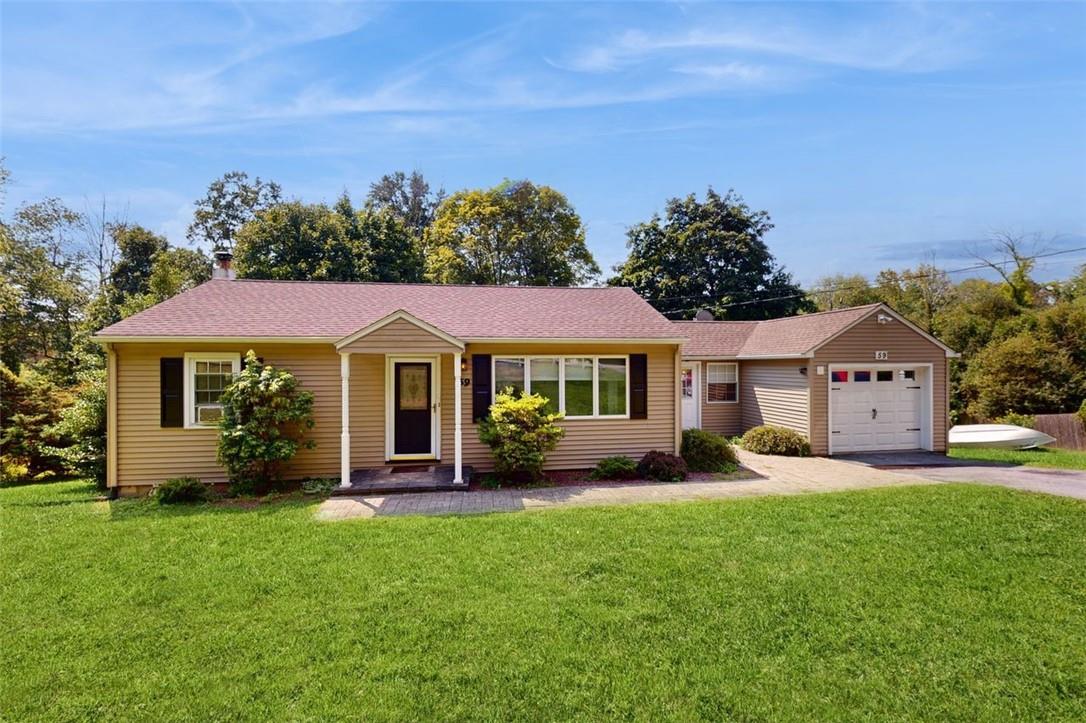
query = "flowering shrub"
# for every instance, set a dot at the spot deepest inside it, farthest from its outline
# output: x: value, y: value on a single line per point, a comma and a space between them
x: 265, y: 415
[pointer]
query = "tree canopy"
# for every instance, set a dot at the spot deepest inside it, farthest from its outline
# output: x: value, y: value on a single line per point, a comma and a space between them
x: 514, y: 233
x: 408, y: 198
x: 230, y: 203
x: 395, y: 252
x: 709, y: 255
x: 298, y: 241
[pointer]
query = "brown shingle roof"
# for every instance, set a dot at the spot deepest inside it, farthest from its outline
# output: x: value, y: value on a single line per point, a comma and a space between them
x: 282, y: 309
x: 776, y: 337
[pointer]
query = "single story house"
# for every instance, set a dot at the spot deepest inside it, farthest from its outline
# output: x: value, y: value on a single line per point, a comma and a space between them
x: 861, y: 379
x: 404, y: 373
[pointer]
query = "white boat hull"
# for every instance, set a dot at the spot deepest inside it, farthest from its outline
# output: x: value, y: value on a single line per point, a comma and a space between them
x: 1003, y: 436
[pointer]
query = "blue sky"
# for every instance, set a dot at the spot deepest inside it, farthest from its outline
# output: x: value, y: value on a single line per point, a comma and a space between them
x: 874, y: 134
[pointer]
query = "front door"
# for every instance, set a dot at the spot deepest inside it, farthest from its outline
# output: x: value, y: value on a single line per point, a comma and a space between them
x: 413, y: 409
x: 691, y: 396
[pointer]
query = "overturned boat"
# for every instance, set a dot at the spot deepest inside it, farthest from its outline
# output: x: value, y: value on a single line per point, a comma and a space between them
x: 1005, y: 436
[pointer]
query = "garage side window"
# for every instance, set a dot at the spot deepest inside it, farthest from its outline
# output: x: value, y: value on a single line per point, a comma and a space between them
x: 721, y: 382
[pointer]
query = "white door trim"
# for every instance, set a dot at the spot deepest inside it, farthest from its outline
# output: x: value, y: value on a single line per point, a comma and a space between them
x: 927, y: 406
x: 434, y: 360
x: 695, y: 381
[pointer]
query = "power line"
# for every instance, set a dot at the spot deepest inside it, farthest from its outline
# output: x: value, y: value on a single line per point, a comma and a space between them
x: 866, y: 285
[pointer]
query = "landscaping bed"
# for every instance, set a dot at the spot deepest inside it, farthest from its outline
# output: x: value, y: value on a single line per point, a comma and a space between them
x: 581, y: 477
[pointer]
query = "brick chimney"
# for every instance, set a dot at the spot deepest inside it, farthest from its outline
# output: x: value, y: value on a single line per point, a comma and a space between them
x: 223, y: 266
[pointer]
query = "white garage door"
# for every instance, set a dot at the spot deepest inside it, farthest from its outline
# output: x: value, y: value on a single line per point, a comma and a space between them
x: 875, y: 409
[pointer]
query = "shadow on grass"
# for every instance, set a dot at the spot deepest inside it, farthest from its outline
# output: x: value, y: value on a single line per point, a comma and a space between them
x: 141, y: 508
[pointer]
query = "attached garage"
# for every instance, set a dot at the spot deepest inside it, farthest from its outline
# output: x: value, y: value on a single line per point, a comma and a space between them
x: 852, y: 380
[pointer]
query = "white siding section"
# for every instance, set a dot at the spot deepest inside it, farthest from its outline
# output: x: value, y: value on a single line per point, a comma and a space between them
x: 774, y: 393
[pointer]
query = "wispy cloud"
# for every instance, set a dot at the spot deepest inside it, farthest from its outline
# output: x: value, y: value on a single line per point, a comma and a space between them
x: 911, y: 41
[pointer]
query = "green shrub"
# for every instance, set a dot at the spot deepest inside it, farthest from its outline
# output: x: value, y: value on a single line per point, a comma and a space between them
x: 662, y: 467
x: 617, y: 467
x: 520, y: 432
x: 12, y: 472
x: 319, y: 485
x: 1027, y: 374
x: 1020, y: 420
x: 707, y: 452
x: 84, y: 425
x: 30, y: 406
x: 182, y: 490
x: 265, y: 414
x: 776, y: 440
x: 1082, y: 412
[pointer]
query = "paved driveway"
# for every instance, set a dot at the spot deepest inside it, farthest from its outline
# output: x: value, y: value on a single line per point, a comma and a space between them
x: 1065, y: 482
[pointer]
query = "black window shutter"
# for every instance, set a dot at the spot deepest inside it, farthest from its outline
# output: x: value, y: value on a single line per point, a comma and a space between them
x: 171, y: 384
x: 480, y: 387
x: 639, y: 386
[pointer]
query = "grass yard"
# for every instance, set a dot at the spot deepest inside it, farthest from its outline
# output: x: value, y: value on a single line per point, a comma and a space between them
x: 939, y: 603
x: 1062, y: 458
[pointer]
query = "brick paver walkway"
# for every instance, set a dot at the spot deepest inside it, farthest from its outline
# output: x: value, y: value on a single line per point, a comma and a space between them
x: 778, y: 476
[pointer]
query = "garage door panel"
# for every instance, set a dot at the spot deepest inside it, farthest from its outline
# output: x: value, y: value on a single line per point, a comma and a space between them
x: 874, y: 415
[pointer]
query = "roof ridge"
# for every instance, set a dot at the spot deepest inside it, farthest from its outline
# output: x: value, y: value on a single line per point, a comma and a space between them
x: 421, y: 284
x: 824, y: 313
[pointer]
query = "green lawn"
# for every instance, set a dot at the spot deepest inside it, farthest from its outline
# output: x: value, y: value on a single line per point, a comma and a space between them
x: 1063, y: 458
x: 939, y: 603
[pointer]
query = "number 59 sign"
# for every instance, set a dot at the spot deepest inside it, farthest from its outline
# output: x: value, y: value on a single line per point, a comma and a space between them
x: 882, y: 355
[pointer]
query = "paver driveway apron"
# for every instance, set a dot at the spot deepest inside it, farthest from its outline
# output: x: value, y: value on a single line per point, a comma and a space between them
x: 776, y: 476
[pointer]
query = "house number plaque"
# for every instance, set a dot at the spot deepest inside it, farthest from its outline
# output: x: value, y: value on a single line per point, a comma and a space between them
x: 882, y: 355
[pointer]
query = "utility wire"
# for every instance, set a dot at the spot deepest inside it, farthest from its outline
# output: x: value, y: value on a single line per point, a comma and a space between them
x: 866, y: 285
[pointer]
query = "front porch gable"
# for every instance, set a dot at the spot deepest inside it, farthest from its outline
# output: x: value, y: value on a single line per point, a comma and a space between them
x: 404, y: 340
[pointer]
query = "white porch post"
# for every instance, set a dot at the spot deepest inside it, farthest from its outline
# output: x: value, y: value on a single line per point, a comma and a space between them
x: 458, y: 464
x: 345, y: 437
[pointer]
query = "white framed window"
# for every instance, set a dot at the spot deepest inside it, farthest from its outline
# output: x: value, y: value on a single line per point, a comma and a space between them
x: 207, y: 374
x: 721, y: 383
x: 582, y: 387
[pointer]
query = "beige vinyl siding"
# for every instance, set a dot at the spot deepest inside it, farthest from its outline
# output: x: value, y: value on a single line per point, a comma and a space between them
x: 589, y: 440
x: 719, y: 417
x: 367, y: 400
x: 399, y: 337
x: 148, y: 453
x: 774, y: 392
x: 858, y: 345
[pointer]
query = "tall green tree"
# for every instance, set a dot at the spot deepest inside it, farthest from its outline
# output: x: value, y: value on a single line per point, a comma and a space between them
x: 408, y: 198
x: 395, y: 253
x: 230, y: 203
x: 921, y: 294
x: 515, y: 233
x: 709, y: 255
x: 42, y: 290
x: 300, y: 242
x: 130, y: 274
x: 840, y: 291
x: 173, y: 270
